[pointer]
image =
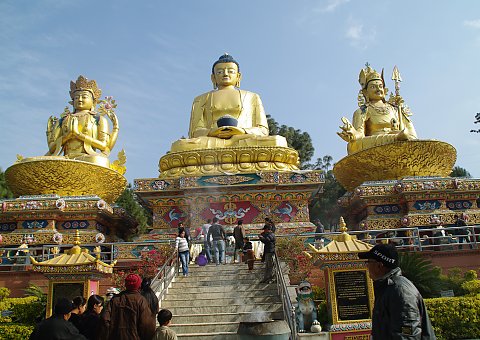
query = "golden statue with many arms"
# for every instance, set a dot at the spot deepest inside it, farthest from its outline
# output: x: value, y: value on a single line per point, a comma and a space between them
x: 228, y: 132
x: 382, y: 142
x: 84, y: 134
x: 79, y: 144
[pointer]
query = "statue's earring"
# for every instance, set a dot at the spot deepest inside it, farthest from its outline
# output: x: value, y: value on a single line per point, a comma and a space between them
x: 215, y: 86
x: 237, y: 84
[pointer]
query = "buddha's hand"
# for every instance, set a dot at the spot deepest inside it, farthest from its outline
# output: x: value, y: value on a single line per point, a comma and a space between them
x: 394, y: 125
x: 226, y: 132
x: 404, y: 135
x: 348, y: 131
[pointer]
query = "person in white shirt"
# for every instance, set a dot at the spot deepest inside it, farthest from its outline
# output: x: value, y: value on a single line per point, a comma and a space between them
x: 183, y: 252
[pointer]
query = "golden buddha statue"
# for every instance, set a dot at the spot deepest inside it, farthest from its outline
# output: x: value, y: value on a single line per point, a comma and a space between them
x: 376, y: 122
x: 79, y: 144
x: 84, y: 134
x: 228, y: 132
x: 227, y: 101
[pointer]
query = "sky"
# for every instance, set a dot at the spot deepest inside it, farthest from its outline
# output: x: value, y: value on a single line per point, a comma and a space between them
x: 302, y: 57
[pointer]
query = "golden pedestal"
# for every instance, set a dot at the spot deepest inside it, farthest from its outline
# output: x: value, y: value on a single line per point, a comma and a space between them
x: 64, y: 177
x: 228, y: 161
x: 395, y: 161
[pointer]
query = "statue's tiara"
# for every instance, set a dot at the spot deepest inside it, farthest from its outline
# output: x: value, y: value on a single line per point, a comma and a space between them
x: 84, y: 84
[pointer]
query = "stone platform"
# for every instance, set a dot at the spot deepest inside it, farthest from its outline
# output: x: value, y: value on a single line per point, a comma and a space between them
x: 282, y: 196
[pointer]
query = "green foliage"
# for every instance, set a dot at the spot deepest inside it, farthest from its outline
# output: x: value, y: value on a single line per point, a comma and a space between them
x: 5, y: 192
x: 319, y: 293
x: 17, y: 306
x: 455, y: 318
x: 28, y: 310
x: 460, y: 172
x: 15, y: 331
x: 325, y: 208
x: 129, y: 203
x: 424, y: 275
x: 470, y: 275
x: 472, y: 287
x: 322, y: 314
x: 4, y: 293
x: 453, y: 280
x: 300, y: 141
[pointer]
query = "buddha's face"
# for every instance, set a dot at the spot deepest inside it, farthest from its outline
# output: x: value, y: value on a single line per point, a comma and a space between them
x: 226, y: 74
x: 375, y: 90
x: 82, y: 100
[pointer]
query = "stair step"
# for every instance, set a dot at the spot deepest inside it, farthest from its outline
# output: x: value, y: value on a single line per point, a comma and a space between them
x: 249, y: 284
x: 182, y: 295
x: 175, y: 289
x: 215, y: 301
x: 219, y: 317
x: 210, y: 336
x: 205, y: 327
x: 266, y: 307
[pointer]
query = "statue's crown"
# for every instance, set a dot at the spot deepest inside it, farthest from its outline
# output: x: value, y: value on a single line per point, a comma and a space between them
x: 83, y: 84
x: 368, y: 74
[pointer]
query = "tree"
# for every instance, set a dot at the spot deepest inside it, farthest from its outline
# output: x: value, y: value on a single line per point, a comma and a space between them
x: 477, y: 120
x: 326, y: 208
x: 460, y: 172
x: 4, y: 190
x: 424, y: 275
x: 129, y: 203
x: 300, y: 141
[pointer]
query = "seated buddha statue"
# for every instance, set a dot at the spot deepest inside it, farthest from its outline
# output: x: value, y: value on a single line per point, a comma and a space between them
x: 227, y: 116
x: 84, y: 133
x: 377, y: 121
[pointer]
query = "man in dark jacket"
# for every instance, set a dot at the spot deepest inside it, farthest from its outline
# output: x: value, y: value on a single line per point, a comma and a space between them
x: 239, y: 234
x: 217, y: 234
x: 268, y: 239
x: 57, y: 326
x: 399, y: 311
x: 128, y: 316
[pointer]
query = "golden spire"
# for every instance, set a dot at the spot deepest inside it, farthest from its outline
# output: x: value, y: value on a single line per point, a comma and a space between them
x: 76, y: 244
x: 343, y: 229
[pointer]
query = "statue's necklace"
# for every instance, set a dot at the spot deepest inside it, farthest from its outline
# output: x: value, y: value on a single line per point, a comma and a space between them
x: 383, y: 110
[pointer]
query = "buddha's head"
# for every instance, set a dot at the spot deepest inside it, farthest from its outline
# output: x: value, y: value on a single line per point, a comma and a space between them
x: 226, y: 72
x: 373, y: 84
x: 84, y: 94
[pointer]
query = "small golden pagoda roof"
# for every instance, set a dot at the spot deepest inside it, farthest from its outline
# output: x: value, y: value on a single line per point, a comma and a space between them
x: 74, y: 261
x: 344, y: 247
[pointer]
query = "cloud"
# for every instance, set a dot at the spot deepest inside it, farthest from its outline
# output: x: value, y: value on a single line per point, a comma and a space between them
x: 472, y: 23
x: 331, y: 6
x: 358, y: 36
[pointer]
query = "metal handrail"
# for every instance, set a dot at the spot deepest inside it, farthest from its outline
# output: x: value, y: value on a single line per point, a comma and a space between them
x: 165, y: 275
x: 288, y: 307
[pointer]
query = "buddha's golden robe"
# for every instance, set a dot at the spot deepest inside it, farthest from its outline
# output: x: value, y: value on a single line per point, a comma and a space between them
x: 247, y: 109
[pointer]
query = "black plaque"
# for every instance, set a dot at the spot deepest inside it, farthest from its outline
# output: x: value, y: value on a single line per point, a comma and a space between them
x: 66, y: 290
x: 351, y: 293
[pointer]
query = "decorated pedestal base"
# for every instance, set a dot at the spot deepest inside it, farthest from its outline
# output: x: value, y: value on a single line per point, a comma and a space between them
x: 412, y: 202
x: 53, y: 219
x: 349, y: 288
x: 282, y: 196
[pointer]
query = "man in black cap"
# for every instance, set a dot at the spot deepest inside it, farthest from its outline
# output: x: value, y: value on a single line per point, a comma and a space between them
x: 57, y: 326
x: 268, y: 239
x: 399, y: 311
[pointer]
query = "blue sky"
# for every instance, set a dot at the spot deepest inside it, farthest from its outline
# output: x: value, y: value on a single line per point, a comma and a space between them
x: 302, y: 57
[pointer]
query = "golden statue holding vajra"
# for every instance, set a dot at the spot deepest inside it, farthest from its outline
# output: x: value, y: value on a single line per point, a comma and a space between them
x: 84, y: 134
x: 377, y: 121
x: 382, y: 142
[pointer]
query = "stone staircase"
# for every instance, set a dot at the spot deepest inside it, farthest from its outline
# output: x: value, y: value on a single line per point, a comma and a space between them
x: 212, y: 300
